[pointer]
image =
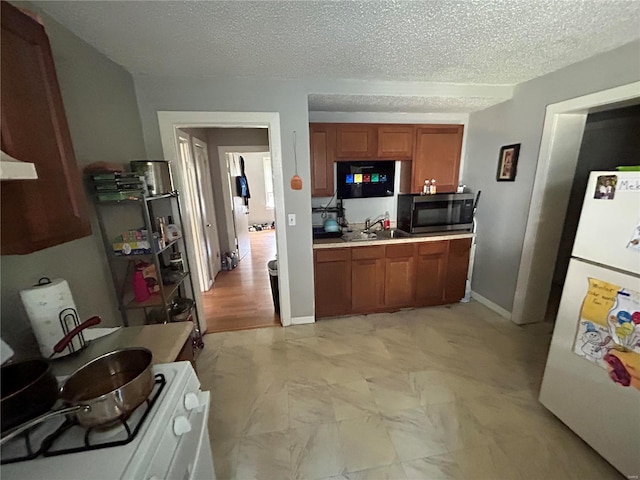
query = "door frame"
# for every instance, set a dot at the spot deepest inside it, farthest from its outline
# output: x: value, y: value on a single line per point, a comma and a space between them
x: 559, y: 148
x: 169, y: 121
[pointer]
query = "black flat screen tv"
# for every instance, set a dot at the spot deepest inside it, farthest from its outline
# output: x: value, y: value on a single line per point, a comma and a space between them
x: 365, y: 179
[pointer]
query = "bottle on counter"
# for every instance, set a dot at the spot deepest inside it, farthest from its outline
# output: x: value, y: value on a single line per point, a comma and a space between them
x: 432, y: 189
x: 140, y: 289
x: 426, y: 190
x: 387, y: 222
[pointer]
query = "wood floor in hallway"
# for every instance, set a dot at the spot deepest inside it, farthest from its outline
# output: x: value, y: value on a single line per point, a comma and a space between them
x: 241, y: 298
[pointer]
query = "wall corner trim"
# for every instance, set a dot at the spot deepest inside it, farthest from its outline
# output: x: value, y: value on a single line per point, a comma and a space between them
x: 303, y: 320
x: 491, y: 306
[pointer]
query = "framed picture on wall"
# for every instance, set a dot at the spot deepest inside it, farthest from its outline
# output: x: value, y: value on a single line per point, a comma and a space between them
x: 508, y: 163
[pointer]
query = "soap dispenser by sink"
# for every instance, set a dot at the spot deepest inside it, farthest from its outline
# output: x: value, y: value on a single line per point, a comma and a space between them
x: 331, y: 225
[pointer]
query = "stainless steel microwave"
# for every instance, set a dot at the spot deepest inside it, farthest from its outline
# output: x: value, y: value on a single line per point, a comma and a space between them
x: 435, y: 213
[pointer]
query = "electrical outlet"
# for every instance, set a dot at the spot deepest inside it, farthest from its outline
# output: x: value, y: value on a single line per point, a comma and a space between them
x: 292, y: 219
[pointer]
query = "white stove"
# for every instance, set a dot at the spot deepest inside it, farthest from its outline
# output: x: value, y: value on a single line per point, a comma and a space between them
x: 170, y: 439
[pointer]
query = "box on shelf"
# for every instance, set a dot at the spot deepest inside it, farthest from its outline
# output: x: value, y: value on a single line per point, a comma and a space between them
x: 139, y: 247
x: 151, y: 277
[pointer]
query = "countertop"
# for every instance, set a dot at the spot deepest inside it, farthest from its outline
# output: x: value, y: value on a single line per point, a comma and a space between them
x: 165, y: 342
x: 425, y: 237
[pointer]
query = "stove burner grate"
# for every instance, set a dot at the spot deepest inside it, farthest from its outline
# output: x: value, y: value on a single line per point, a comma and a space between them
x: 47, y: 445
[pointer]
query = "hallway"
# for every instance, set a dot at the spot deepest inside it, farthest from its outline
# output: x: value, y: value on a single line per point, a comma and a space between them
x: 241, y: 298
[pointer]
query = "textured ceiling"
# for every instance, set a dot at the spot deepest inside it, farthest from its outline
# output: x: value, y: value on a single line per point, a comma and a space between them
x: 408, y: 104
x: 473, y: 41
x: 500, y: 42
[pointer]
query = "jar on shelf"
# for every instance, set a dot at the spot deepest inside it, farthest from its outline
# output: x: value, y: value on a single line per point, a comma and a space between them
x: 175, y: 262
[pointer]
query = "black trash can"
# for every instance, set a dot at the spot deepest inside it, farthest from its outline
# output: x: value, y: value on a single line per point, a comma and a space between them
x: 273, y: 278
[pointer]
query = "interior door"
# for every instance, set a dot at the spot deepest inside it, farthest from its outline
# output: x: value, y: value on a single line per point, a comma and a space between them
x: 192, y: 212
x: 240, y: 216
x: 209, y: 225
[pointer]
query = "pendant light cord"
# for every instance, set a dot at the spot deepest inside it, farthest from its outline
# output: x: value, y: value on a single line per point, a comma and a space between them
x: 295, y: 152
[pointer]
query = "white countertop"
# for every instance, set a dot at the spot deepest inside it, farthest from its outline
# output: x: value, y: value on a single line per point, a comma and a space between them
x: 425, y: 237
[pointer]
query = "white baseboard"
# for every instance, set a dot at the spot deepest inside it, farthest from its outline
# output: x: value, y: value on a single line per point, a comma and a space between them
x: 303, y: 320
x: 490, y: 305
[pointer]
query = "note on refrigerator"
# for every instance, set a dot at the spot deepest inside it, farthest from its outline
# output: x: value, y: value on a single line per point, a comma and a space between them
x: 608, y: 332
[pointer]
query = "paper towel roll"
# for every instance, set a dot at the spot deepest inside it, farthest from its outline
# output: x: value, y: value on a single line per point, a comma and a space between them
x: 44, y: 304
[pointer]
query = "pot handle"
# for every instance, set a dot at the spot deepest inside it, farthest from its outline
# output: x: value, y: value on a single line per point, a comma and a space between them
x: 62, y: 344
x: 32, y: 423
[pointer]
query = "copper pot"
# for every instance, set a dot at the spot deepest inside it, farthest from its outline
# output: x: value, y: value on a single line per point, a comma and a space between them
x: 104, y: 391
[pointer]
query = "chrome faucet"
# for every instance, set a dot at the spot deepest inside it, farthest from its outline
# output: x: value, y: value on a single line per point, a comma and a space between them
x: 368, y: 225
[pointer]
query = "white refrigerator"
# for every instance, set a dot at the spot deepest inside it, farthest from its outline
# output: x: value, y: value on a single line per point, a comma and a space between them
x: 592, y: 376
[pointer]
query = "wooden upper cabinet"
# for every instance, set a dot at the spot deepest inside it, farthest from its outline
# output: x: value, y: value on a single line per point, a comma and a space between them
x: 40, y: 213
x: 356, y: 141
x: 457, y: 268
x: 395, y: 142
x: 437, y: 156
x: 332, y: 275
x: 322, y: 139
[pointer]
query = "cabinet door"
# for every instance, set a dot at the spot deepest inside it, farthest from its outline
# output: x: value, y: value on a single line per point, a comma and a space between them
x: 400, y: 276
x: 457, y: 266
x: 40, y: 213
x: 431, y: 274
x: 367, y: 279
x: 356, y: 141
x: 437, y: 156
x: 333, y: 281
x: 323, y: 155
x: 395, y: 142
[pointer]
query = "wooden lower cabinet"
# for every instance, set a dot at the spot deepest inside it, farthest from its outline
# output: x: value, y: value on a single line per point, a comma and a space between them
x: 431, y: 273
x: 400, y: 275
x: 333, y: 281
x: 367, y: 279
x: 457, y: 267
x: 370, y: 279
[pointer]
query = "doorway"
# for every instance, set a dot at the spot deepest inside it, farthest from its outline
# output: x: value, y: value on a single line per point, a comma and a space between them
x: 610, y: 140
x: 560, y: 145
x: 169, y: 123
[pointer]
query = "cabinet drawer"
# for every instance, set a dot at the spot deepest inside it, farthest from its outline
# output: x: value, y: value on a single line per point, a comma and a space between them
x: 460, y: 246
x: 333, y: 254
x: 365, y: 253
x: 432, y: 248
x: 399, y: 251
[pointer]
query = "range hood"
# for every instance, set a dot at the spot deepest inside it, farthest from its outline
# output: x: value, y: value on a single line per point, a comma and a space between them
x: 13, y: 169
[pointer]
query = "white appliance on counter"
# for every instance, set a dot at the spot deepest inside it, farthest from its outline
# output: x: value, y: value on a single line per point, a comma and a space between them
x: 592, y: 376
x: 172, y: 441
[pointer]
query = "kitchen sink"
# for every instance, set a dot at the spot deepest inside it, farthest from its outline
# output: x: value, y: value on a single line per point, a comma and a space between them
x: 360, y: 236
x: 364, y: 236
x: 393, y: 233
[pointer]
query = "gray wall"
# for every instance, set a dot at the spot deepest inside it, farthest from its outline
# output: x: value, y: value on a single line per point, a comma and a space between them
x: 504, y: 206
x: 231, y: 137
x: 287, y: 98
x: 100, y: 104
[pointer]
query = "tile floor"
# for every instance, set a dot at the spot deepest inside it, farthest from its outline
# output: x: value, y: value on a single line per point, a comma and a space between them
x: 433, y: 393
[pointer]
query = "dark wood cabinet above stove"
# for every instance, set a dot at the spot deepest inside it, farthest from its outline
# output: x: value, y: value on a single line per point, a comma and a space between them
x: 36, y: 214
